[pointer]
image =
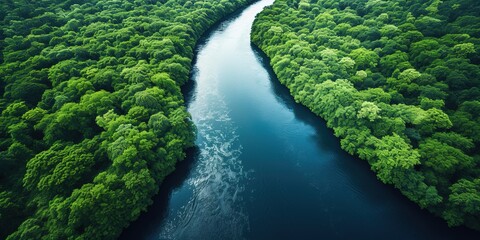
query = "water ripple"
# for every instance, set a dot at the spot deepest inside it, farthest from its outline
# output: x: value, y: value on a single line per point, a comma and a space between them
x: 218, y: 181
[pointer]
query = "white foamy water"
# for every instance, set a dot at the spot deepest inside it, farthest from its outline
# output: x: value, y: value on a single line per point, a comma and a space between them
x: 217, y: 180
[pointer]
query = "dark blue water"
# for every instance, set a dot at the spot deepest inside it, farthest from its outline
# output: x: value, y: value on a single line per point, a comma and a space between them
x: 267, y: 168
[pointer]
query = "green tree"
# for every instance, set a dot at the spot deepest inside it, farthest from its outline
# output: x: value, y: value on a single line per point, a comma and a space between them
x: 443, y: 158
x: 364, y: 58
x: 393, y: 153
x: 464, y: 201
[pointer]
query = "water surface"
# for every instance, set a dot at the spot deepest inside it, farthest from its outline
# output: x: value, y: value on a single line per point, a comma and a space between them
x: 267, y: 168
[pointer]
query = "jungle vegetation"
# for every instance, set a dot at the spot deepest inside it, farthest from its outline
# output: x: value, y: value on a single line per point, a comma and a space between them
x: 399, y: 83
x: 92, y: 116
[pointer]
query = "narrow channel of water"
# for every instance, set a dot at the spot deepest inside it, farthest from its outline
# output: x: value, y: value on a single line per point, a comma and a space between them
x: 267, y: 168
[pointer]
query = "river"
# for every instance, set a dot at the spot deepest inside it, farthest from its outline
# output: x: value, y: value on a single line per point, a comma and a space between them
x: 266, y: 167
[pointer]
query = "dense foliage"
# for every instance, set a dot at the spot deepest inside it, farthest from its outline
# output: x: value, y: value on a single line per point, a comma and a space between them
x: 399, y: 83
x: 92, y: 117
